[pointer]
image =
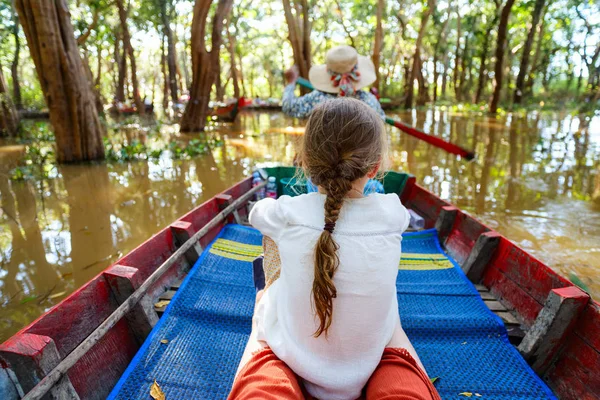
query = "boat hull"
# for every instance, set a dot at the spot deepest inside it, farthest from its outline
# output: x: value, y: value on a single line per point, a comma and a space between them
x: 571, y: 366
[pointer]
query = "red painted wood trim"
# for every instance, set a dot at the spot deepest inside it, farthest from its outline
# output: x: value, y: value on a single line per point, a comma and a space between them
x: 526, y: 271
x: 463, y: 235
x: 588, y: 327
x: 553, y: 325
x: 576, y: 374
x: 409, y: 186
x: 512, y: 295
x: 426, y: 204
x: 94, y: 375
x: 72, y: 320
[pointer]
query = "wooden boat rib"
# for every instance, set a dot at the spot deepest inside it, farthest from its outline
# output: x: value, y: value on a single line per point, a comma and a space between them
x: 562, y: 323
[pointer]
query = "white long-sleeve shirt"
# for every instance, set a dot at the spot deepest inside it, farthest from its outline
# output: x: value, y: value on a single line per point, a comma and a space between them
x: 365, y: 311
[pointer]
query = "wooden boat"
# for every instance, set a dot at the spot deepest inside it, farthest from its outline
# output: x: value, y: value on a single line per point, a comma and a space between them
x: 228, y: 113
x: 127, y: 111
x: 82, y: 346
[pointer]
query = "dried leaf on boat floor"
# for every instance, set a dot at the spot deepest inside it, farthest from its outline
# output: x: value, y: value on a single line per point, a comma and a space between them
x: 466, y: 394
x: 156, y: 392
x: 164, y: 341
x: 55, y: 295
x: 162, y: 303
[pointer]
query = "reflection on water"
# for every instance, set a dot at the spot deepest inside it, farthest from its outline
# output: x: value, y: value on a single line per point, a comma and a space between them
x: 533, y: 180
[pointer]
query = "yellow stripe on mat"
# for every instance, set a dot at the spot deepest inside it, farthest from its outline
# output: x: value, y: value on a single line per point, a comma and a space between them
x: 424, y: 262
x: 235, y: 250
x: 233, y: 256
x: 249, y: 247
x: 419, y: 256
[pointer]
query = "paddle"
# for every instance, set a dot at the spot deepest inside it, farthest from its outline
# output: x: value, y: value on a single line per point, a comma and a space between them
x: 433, y: 140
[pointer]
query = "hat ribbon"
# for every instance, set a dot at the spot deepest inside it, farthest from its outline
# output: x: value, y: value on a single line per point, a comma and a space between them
x: 345, y: 81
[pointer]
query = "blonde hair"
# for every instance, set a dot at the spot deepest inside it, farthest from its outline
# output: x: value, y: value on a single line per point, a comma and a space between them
x: 344, y: 141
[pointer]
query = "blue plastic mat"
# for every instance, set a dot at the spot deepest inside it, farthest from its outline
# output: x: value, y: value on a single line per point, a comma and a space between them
x: 208, y: 322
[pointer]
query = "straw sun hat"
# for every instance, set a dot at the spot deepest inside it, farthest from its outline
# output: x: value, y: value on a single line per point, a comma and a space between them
x: 344, y: 72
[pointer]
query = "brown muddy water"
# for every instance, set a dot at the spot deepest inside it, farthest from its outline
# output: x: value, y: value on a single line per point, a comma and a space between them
x: 534, y: 180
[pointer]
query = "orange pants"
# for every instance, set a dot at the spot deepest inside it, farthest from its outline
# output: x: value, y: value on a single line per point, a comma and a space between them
x: 397, y: 377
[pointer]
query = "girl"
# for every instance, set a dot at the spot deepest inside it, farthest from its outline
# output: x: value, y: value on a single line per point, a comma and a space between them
x: 329, y: 327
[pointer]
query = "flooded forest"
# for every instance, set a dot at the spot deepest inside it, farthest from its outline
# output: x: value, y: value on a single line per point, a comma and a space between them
x: 115, y: 119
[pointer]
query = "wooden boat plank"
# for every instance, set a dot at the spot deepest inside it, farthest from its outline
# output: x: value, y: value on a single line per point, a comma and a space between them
x: 487, y: 296
x: 481, y: 288
x: 575, y: 374
x: 124, y: 281
x: 508, y: 318
x: 93, y: 379
x: 151, y: 253
x: 463, y: 235
x: 512, y: 294
x: 588, y: 326
x: 176, y: 285
x: 168, y: 295
x: 556, y: 320
x: 79, y: 314
x: 495, y: 305
x: 526, y: 271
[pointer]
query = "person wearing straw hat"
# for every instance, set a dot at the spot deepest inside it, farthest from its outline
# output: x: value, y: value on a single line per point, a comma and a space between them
x: 345, y: 73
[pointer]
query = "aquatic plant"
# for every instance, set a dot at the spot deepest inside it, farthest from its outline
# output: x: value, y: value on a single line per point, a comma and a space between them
x: 39, y: 161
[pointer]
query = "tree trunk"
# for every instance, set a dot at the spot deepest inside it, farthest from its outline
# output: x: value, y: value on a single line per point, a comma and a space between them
x: 186, y: 70
x: 14, y: 68
x: 127, y: 46
x: 9, y: 120
x: 500, y: 50
x: 219, y: 88
x: 406, y: 68
x: 465, y: 61
x: 445, y: 74
x: 299, y: 35
x: 90, y: 75
x: 482, y: 66
x: 508, y: 64
x: 535, y: 65
x: 232, y: 67
x: 457, y: 58
x: 523, y: 69
x: 203, y: 62
x: 62, y: 76
x: 98, y: 67
x: 378, y: 42
x: 163, y: 69
x: 168, y: 32
x: 423, y: 95
x: 121, y: 58
x: 593, y: 70
x: 416, y: 58
x: 441, y: 41
x: 178, y: 73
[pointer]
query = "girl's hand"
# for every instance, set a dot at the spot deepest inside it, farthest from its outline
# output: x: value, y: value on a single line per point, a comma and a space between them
x: 291, y: 75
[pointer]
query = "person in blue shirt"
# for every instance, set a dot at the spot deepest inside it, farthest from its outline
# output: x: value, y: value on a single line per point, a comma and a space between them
x: 344, y: 74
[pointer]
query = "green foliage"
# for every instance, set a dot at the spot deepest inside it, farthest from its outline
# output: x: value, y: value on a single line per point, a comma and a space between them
x: 38, y: 163
x: 570, y: 36
x: 35, y: 132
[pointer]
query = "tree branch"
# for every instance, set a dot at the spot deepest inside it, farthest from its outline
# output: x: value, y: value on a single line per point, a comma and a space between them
x: 84, y: 36
x: 339, y: 7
